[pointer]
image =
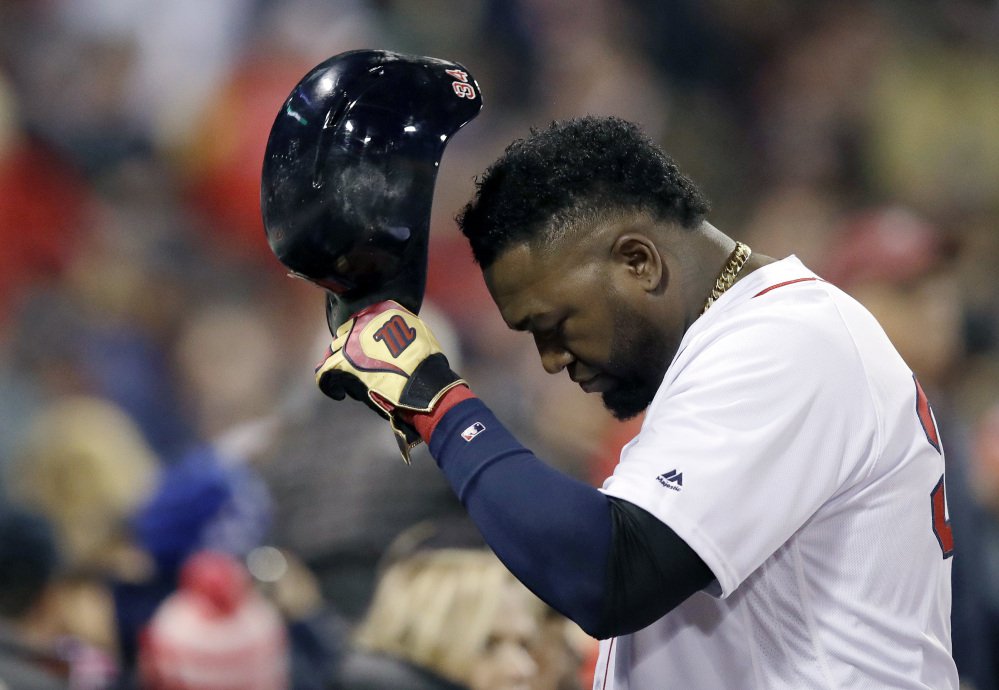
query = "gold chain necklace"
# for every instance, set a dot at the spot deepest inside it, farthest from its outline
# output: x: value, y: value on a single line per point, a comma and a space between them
x: 736, y: 261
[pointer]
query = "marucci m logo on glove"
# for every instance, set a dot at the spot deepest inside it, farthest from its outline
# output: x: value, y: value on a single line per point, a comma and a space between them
x: 396, y: 334
x: 414, y: 380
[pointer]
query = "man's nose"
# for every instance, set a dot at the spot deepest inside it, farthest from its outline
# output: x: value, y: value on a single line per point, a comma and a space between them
x: 554, y: 358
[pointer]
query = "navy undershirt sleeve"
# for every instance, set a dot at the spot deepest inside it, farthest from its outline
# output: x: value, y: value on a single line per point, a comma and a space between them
x: 604, y: 563
x: 552, y: 531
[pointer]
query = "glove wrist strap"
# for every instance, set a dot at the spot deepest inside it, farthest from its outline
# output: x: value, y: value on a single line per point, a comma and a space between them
x: 425, y: 423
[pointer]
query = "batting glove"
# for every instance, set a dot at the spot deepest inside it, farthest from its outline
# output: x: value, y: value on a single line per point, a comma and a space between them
x: 386, y: 357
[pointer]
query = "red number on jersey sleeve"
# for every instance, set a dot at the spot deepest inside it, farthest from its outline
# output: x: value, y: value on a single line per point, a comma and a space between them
x: 925, y: 414
x: 941, y: 525
x: 938, y: 497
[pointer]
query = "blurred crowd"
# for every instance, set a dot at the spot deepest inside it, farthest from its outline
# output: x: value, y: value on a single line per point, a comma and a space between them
x: 181, y: 509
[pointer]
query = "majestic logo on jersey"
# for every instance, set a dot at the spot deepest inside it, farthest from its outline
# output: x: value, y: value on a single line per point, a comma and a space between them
x: 473, y: 431
x: 671, y: 480
x: 396, y: 334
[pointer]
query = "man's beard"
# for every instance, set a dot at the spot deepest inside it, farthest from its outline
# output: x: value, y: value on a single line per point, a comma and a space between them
x: 638, y: 362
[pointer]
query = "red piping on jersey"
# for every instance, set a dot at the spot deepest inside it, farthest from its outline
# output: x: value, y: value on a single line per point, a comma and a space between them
x: 610, y: 650
x: 786, y: 282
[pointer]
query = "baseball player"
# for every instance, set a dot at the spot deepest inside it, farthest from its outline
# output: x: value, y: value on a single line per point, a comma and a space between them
x: 780, y: 521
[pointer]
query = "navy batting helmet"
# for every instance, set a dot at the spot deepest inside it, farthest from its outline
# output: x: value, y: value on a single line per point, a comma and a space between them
x: 349, y: 171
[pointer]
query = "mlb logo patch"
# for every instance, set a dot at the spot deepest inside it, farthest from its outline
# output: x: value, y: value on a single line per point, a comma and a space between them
x: 473, y: 431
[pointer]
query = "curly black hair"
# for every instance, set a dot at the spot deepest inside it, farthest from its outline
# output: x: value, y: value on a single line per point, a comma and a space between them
x: 573, y: 169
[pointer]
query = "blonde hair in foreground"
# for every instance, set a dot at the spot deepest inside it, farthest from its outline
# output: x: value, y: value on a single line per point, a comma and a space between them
x: 87, y: 465
x: 437, y: 609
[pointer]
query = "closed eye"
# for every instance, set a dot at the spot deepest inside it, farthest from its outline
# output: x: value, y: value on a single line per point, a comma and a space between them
x: 540, y: 326
x: 547, y: 334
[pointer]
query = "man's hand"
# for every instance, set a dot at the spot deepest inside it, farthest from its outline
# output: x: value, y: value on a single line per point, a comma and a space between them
x: 386, y: 357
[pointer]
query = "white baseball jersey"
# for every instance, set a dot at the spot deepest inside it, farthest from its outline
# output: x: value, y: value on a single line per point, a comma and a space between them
x: 791, y: 447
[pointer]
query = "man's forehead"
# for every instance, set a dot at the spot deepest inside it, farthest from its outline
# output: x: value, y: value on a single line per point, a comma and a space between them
x: 511, y: 268
x: 517, y: 280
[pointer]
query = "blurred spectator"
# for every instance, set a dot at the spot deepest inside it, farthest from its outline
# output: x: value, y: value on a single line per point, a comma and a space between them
x: 198, y: 503
x: 342, y: 493
x: 44, y: 206
x: 29, y: 619
x: 317, y: 633
x: 125, y: 522
x: 205, y: 503
x: 446, y: 619
x: 985, y: 468
x: 214, y: 633
x: 87, y: 467
x: 130, y: 284
x: 227, y: 385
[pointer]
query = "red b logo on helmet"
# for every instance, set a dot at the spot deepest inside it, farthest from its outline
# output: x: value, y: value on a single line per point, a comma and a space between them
x: 396, y: 334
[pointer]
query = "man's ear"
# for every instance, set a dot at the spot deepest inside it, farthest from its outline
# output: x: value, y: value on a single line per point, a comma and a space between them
x: 638, y: 254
